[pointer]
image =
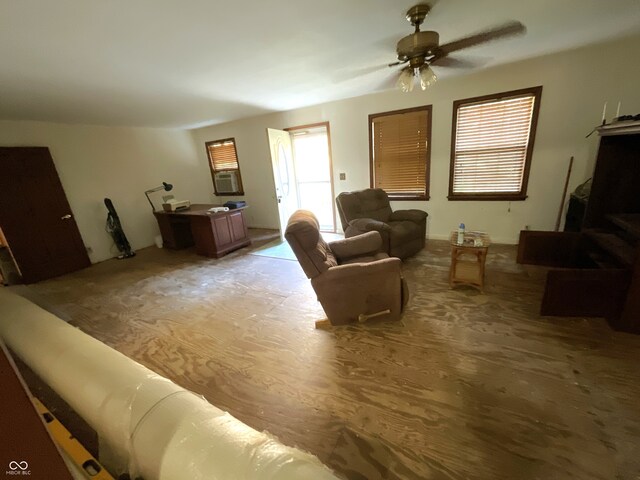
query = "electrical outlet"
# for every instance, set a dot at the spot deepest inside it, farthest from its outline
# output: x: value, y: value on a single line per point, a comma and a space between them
x: 343, y: 176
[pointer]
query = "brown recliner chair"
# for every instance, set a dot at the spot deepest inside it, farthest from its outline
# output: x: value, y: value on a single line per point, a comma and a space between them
x: 403, y: 232
x: 352, y: 278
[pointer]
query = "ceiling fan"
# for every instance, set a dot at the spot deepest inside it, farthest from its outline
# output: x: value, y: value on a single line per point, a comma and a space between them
x: 421, y: 49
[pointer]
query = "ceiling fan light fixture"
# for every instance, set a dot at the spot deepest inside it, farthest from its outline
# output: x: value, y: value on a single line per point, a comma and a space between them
x: 427, y: 77
x: 410, y: 76
x: 405, y: 80
x: 422, y: 48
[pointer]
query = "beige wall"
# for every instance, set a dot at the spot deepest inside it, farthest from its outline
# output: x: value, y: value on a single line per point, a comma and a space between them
x: 576, y: 85
x: 118, y: 163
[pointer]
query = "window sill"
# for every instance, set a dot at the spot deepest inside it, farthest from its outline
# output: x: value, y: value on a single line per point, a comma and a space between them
x: 232, y: 194
x: 393, y: 198
x: 512, y: 197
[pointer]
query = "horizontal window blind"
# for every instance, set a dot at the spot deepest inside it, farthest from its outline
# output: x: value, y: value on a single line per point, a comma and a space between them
x: 491, y: 143
x: 222, y: 155
x: 399, y: 151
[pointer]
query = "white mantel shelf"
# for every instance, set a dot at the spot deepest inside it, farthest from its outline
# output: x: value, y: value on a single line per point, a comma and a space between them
x: 627, y: 127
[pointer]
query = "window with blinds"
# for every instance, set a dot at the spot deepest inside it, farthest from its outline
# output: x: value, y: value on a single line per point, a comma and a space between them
x: 399, y: 147
x: 492, y: 143
x: 225, y: 168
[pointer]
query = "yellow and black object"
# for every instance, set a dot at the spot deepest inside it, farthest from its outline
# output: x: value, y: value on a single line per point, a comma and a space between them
x: 73, y: 449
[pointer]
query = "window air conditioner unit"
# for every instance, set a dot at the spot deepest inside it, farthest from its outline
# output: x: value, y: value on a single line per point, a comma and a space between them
x: 226, y: 182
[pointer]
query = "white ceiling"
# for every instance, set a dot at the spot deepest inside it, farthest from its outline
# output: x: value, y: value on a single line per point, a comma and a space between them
x: 173, y: 63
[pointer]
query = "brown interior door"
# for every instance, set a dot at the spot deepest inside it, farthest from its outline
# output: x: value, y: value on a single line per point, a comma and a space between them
x: 35, y: 215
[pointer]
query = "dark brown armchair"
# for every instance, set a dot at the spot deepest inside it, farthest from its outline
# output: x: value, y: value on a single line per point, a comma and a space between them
x: 352, y: 278
x: 403, y: 232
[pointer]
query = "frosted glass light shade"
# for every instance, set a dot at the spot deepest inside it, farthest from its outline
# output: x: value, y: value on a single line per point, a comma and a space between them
x: 427, y: 77
x: 405, y: 81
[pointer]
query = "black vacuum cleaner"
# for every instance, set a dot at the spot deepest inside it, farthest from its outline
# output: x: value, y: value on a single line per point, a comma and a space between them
x: 115, y: 229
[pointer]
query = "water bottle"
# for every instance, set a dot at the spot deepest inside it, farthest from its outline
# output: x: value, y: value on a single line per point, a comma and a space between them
x: 460, y: 234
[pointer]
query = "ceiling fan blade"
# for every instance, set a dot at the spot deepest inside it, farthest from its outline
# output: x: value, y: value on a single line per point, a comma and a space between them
x: 508, y: 29
x: 360, y: 72
x: 452, y: 62
x: 388, y: 83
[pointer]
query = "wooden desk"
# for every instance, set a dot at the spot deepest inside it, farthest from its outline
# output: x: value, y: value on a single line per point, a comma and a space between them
x: 213, y: 234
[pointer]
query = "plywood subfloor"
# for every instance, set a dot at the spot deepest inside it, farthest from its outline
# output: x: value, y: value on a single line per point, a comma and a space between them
x: 467, y: 386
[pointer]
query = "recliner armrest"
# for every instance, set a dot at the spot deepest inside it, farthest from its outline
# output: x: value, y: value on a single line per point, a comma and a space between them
x: 369, y: 224
x: 355, y: 271
x: 411, y: 215
x: 360, y: 245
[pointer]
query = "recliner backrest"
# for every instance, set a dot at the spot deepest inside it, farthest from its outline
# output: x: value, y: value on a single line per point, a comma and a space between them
x: 369, y: 203
x: 313, y: 253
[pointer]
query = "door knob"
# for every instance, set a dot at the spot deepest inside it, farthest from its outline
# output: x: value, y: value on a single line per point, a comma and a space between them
x: 65, y: 217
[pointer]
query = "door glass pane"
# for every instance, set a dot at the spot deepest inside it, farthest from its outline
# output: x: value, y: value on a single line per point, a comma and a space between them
x: 315, y: 197
x: 313, y: 174
x: 312, y: 157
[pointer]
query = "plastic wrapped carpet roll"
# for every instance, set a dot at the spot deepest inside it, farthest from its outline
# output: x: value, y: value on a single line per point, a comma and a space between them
x: 157, y: 428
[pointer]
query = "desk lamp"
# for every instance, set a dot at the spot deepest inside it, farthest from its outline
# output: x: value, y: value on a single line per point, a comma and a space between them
x: 165, y: 186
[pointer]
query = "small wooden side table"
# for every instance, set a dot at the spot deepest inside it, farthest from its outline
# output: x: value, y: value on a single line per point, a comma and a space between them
x: 465, y: 269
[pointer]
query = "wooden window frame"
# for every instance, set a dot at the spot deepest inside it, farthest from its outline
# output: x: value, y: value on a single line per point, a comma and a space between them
x: 214, y: 171
x: 392, y: 197
x: 510, y: 196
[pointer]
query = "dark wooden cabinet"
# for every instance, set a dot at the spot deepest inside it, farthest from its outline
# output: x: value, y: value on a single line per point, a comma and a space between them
x: 218, y: 234
x: 213, y: 234
x: 575, y: 214
x: 599, y: 273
